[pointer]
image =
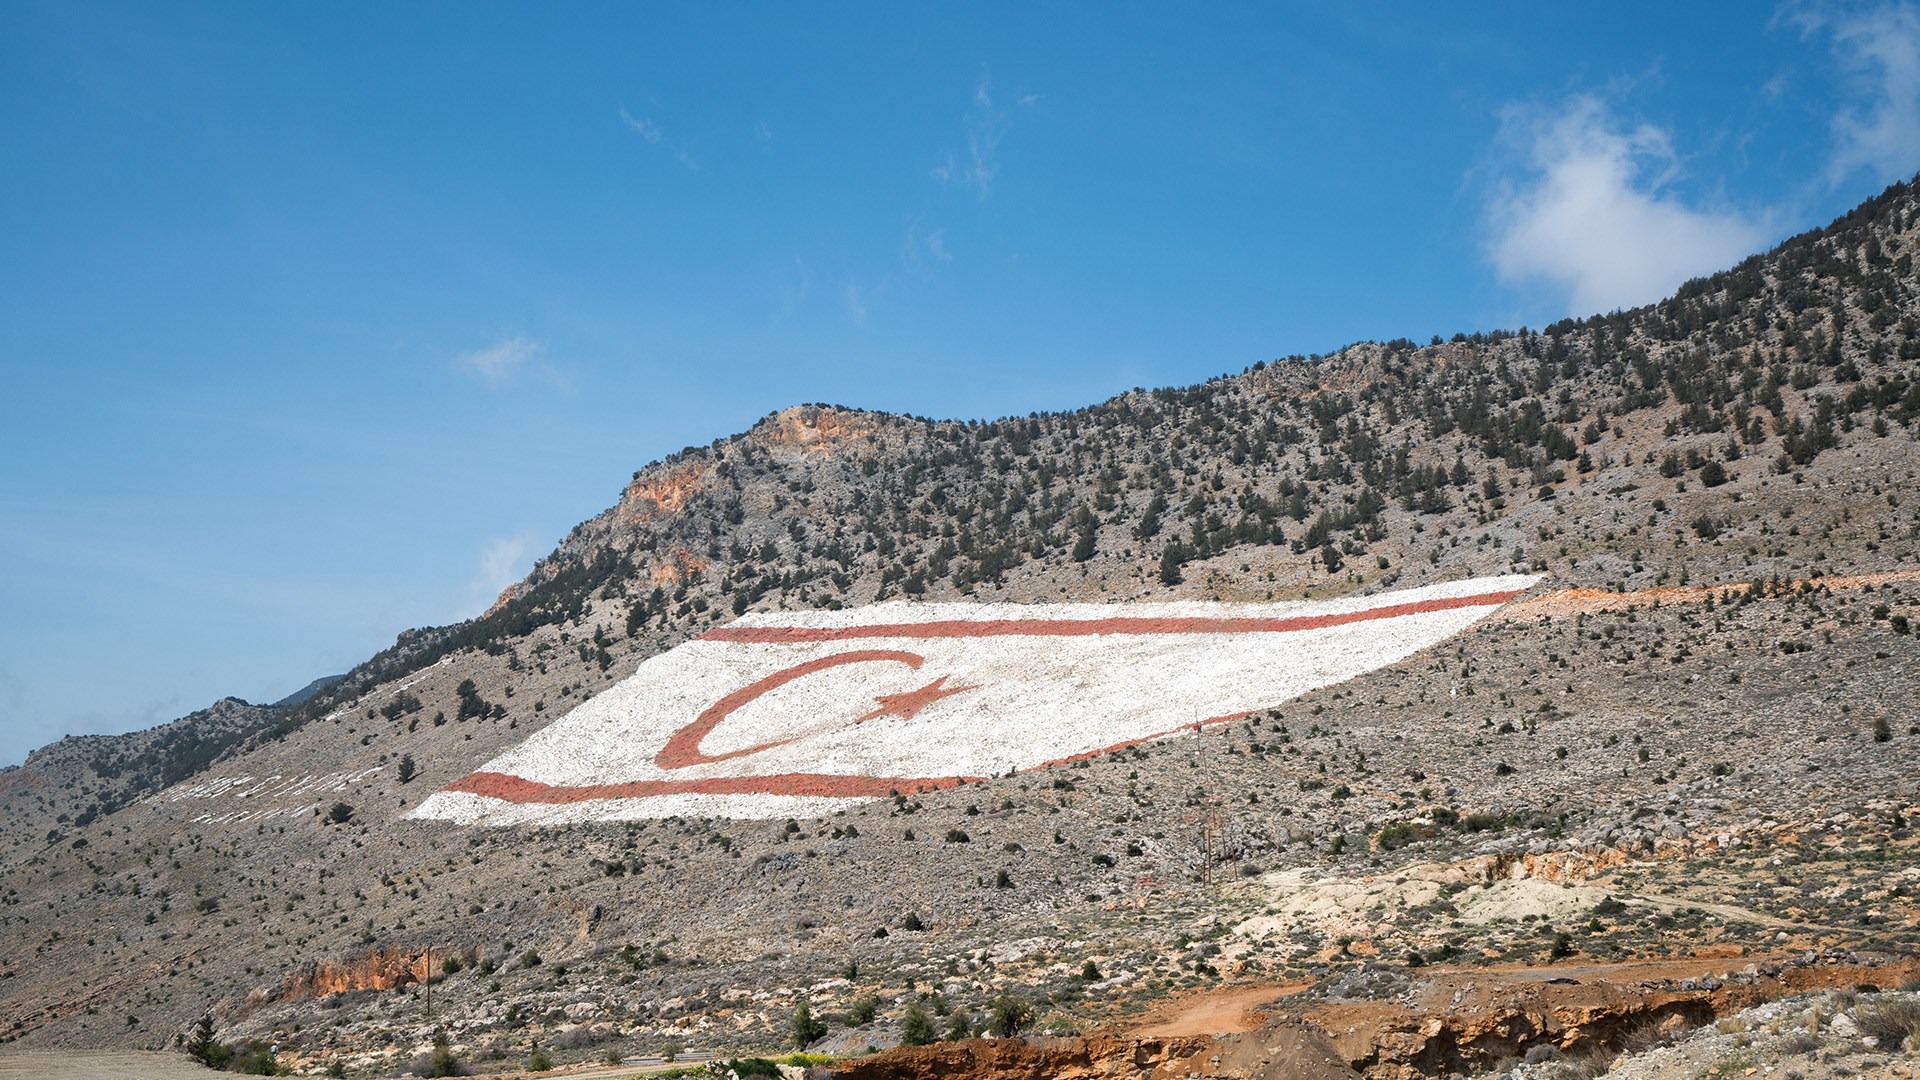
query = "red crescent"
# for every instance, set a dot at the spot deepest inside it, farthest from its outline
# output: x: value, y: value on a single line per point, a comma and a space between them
x: 683, y: 747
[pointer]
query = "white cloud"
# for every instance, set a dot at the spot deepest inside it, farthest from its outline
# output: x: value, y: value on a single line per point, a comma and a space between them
x: 793, y: 294
x: 986, y: 124
x: 1592, y: 212
x: 921, y: 247
x: 501, y: 562
x: 645, y: 128
x: 654, y: 136
x: 501, y: 361
x: 1880, y: 51
x: 857, y: 304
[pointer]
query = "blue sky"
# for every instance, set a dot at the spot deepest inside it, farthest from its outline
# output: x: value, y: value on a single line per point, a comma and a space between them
x: 323, y: 321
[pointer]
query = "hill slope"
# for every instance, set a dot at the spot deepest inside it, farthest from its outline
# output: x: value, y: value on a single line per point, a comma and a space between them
x: 1719, y: 667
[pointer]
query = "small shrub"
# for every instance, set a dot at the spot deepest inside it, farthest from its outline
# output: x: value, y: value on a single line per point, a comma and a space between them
x: 916, y: 1027
x: 1890, y: 1020
x: 803, y: 1029
x: 1008, y: 1015
x: 254, y: 1059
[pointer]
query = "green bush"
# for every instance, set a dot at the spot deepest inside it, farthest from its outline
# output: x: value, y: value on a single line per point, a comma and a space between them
x: 1400, y: 834
x: 804, y: 1029
x: 916, y: 1027
x: 1008, y: 1015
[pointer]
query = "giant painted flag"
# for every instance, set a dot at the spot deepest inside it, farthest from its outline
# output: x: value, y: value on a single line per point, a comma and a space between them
x: 803, y: 713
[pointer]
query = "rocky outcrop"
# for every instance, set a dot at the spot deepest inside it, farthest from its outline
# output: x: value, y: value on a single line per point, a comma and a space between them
x: 379, y: 969
x: 656, y: 492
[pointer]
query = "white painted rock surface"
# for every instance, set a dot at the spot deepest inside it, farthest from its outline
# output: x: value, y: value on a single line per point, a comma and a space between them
x: 803, y: 713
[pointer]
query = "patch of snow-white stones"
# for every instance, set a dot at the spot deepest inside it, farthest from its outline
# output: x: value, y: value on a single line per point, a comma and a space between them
x: 251, y: 798
x: 789, y: 713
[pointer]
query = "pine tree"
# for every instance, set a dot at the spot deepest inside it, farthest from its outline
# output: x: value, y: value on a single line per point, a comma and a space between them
x: 916, y: 1027
x: 805, y: 1029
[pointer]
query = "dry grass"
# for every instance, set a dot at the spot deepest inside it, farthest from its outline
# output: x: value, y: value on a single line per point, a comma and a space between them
x: 1891, y: 1020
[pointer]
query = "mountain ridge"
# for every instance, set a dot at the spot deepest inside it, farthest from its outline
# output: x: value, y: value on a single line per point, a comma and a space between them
x: 1716, y: 487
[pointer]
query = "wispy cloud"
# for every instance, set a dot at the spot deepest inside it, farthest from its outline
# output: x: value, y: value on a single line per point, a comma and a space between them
x: 857, y: 304
x: 500, y: 563
x: 923, y: 247
x: 1591, y: 210
x: 645, y: 128
x: 986, y: 125
x: 500, y: 362
x: 793, y: 293
x: 654, y: 135
x: 1879, y: 52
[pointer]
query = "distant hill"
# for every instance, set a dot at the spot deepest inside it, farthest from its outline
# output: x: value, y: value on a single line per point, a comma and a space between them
x: 69, y: 784
x: 307, y: 692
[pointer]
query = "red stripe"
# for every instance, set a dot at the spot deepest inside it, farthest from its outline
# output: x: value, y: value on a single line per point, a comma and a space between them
x: 521, y: 791
x: 516, y: 789
x: 956, y: 628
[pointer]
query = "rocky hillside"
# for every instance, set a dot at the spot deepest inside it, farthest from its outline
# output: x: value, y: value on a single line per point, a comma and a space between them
x: 1714, y: 683
x: 69, y: 784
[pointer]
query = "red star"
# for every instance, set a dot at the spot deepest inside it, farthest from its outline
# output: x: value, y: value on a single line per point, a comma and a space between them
x: 908, y: 705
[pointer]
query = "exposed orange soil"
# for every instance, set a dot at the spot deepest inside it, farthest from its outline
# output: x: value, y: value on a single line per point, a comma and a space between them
x: 1215, y: 1012
x: 811, y: 428
x: 1574, y: 601
x: 667, y: 491
x: 1451, y: 1020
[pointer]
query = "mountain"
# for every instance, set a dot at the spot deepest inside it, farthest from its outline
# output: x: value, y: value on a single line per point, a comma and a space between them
x: 1713, y: 683
x: 307, y: 692
x: 68, y: 785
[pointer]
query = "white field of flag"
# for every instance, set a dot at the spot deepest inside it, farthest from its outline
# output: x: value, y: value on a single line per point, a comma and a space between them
x: 804, y: 713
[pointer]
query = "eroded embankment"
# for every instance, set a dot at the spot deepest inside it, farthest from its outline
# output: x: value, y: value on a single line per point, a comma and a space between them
x: 1446, y: 1022
x: 1282, y: 1049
